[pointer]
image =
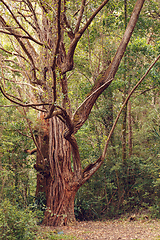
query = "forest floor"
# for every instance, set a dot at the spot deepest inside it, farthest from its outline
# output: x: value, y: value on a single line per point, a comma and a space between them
x: 122, y: 229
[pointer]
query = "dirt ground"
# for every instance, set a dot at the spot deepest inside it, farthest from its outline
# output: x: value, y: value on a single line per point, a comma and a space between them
x: 143, y: 229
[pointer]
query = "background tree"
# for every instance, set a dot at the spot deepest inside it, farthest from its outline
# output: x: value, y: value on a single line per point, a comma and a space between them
x: 121, y: 188
x: 36, y: 57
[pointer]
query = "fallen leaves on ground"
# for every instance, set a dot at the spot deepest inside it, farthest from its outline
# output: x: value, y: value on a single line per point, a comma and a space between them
x: 114, y: 230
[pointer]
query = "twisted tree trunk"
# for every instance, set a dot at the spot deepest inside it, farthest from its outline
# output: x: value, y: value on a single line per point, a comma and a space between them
x: 58, y: 161
x: 55, y: 176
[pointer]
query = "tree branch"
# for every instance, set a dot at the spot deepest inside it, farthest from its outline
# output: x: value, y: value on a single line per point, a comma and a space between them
x: 22, y: 133
x: 125, y: 102
x: 11, y: 30
x: 105, y: 79
x: 37, y: 28
x: 33, y: 137
x: 21, y: 27
x: 22, y: 83
x: 22, y: 104
x: 81, y: 116
x: 68, y: 64
x: 93, y: 16
x: 31, y: 151
x: 93, y: 167
x: 56, y: 49
x: 14, y: 54
x: 90, y: 170
x: 109, y: 73
x: 21, y: 36
x: 76, y: 157
x: 67, y: 26
x: 80, y: 16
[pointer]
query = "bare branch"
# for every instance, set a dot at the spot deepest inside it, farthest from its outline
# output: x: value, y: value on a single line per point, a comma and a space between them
x: 15, y: 70
x: 68, y: 64
x: 81, y: 115
x: 25, y: 18
x: 56, y: 49
x: 23, y: 134
x: 93, y: 16
x: 21, y: 36
x: 76, y: 157
x: 38, y: 109
x: 21, y: 27
x: 107, y: 76
x: 125, y: 102
x: 23, y: 47
x: 31, y: 151
x: 28, y: 84
x: 22, y: 104
x: 58, y: 34
x: 80, y: 16
x: 147, y: 90
x: 35, y: 17
x: 79, y: 9
x: 90, y: 170
x: 8, y: 106
x: 45, y: 6
x: 67, y: 26
x: 14, y: 54
x: 22, y: 83
x: 17, y: 98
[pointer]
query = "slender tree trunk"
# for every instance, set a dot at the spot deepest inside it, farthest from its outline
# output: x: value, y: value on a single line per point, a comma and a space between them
x: 108, y: 118
x: 129, y: 129
x: 124, y: 112
x: 124, y: 128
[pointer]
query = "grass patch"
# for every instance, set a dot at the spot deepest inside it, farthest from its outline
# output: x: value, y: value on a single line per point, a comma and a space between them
x: 47, y: 234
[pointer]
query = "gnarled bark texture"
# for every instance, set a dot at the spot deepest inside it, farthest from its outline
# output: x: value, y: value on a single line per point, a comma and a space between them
x: 65, y: 171
x: 56, y: 178
x: 44, y: 65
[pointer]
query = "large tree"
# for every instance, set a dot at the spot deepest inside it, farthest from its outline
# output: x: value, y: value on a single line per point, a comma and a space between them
x: 37, y: 52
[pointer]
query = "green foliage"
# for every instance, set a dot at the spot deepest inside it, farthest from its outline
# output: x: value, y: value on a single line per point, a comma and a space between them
x: 16, y: 223
x: 48, y: 234
x: 155, y: 208
x: 117, y: 188
x: 38, y: 206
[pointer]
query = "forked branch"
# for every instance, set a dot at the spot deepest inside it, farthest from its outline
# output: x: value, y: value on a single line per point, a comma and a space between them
x: 93, y: 167
x: 56, y: 49
x: 125, y: 102
x: 80, y: 16
x: 20, y: 103
x: 82, y: 113
x: 20, y: 26
x: 68, y: 64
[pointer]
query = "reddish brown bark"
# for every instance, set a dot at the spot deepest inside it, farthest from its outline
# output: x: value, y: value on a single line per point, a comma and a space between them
x: 55, y: 178
x: 59, y: 174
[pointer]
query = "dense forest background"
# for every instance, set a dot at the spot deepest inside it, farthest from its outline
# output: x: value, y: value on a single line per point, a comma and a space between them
x: 129, y: 179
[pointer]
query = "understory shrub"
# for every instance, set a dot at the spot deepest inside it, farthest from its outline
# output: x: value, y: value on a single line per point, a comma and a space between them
x: 16, y: 223
x: 118, y: 188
